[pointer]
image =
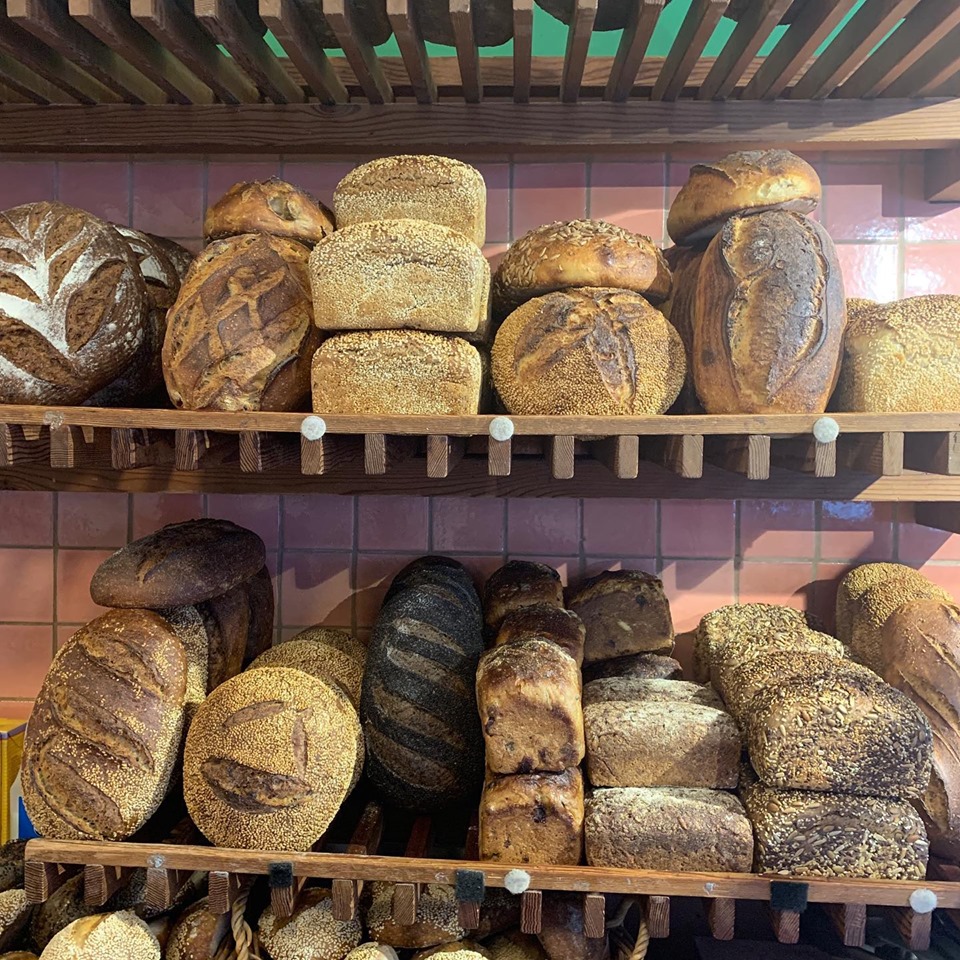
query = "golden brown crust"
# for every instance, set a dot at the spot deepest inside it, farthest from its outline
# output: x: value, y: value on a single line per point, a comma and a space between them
x: 853, y: 585
x: 120, y: 936
x: 637, y: 690
x: 748, y: 182
x: 678, y: 308
x: 770, y: 317
x: 516, y: 585
x: 579, y: 253
x: 198, y: 934
x: 590, y: 351
x: 437, y: 920
x: 318, y: 659
x: 311, y: 929
x: 562, y: 935
x: 548, y: 622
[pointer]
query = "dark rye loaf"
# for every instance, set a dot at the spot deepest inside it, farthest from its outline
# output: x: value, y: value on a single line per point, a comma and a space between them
x: 417, y: 705
x: 437, y: 570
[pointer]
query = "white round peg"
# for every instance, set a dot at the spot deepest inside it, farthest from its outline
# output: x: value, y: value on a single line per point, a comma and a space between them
x: 826, y: 430
x: 516, y: 881
x: 923, y: 900
x: 501, y: 428
x: 313, y: 428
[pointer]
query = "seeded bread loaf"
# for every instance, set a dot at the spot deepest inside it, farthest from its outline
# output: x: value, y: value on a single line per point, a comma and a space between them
x: 436, y: 922
x: 394, y: 274
x: 642, y: 666
x: 338, y: 639
x: 11, y: 864
x: 437, y: 189
x: 528, y: 694
x: 18, y: 955
x: 516, y: 585
x: 191, y: 631
x: 372, y: 951
x: 636, y: 690
x: 624, y: 611
x: 667, y: 829
x: 117, y: 936
x: 320, y: 660
x: 269, y: 758
x: 198, y: 934
x: 800, y: 833
x: 105, y: 731
x: 15, y: 914
x: 548, y: 622
x: 515, y: 946
x: 311, y: 929
x: 854, y: 585
x: 458, y: 950
x: 563, y: 934
x: 443, y: 572
x: 397, y: 372
x: 533, y: 818
x: 262, y: 614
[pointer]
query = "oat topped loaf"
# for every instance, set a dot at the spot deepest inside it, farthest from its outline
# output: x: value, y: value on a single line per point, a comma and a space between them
x: 104, y: 936
x: 438, y: 189
x: 373, y: 951
x: 854, y: 585
x: 516, y: 585
x: 310, y: 930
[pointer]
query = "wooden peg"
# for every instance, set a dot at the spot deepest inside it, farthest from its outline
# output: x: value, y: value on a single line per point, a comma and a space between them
x: 933, y: 453
x: 806, y: 455
x: 100, y: 883
x: 364, y: 841
x: 749, y: 455
x: 468, y: 915
x: 531, y: 911
x: 657, y: 913
x: 283, y: 899
x: 594, y: 916
x: 222, y: 890
x: 163, y: 885
x: 562, y: 457
x: 620, y: 455
x: 42, y: 879
x: 499, y: 455
x: 722, y: 916
x: 850, y: 922
x: 406, y: 900
x: 913, y: 927
x: 682, y: 455
x: 786, y: 925
x: 443, y: 454
x: 262, y: 451
x: 346, y: 896
x: 22, y: 444
x: 879, y: 454
x: 188, y: 447
x: 66, y: 446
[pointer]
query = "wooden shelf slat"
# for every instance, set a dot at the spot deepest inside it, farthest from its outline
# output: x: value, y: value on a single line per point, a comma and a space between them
x: 930, y: 72
x: 522, y: 49
x: 531, y: 911
x: 578, y: 43
x: 696, y: 29
x: 657, y: 915
x: 786, y: 925
x: 620, y: 455
x: 915, y: 928
x: 721, y: 917
x: 499, y: 457
x: 406, y: 29
x: 443, y: 454
x: 468, y: 54
x: 30, y: 84
x: 162, y: 887
x: 633, y: 46
x: 933, y: 452
x: 562, y: 458
x: 358, y: 50
x: 100, y: 883
x: 850, y: 922
x: 748, y: 455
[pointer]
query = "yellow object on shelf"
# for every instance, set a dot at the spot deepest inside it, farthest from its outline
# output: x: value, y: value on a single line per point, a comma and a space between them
x: 11, y: 802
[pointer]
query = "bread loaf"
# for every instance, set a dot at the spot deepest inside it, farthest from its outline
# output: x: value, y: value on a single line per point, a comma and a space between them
x: 191, y: 631
x: 515, y: 946
x: 592, y: 351
x: 198, y: 934
x: 750, y: 182
x: 227, y: 622
x: 268, y: 206
x: 528, y: 694
x: 458, y: 950
x: 394, y: 274
x: 770, y: 317
x: 854, y: 585
x: 394, y: 372
x: 14, y: 916
x: 840, y: 731
x: 532, y: 818
x: 240, y: 335
x: 634, y: 689
x: 105, y: 730
x: 182, y: 563
x: 667, y: 829
x: 679, y: 309
x: 262, y: 614
x: 338, y: 640
x: 624, y: 611
x: 611, y: 14
x: 548, y: 622
x: 372, y: 951
x: 11, y: 864
x: 369, y: 19
x: 310, y: 930
x: 643, y: 666
x: 493, y: 23
x: 439, y: 572
x: 318, y: 659
x: 269, y: 758
x: 516, y: 585
x: 578, y: 253
x: 104, y: 936
x: 437, y: 189
x: 563, y: 935
x: 18, y: 955
x: 800, y: 833
x: 72, y: 304
x: 436, y: 920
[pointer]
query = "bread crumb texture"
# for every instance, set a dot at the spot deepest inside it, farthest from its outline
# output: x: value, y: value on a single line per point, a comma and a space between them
x: 104, y: 936
x: 311, y: 932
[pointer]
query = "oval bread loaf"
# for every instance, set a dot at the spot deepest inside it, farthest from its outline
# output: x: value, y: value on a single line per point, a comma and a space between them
x: 611, y: 14
x: 198, y: 934
x: 543, y: 620
x: 310, y: 930
x: 338, y: 639
x: 679, y: 309
x: 854, y: 585
x: 643, y: 666
x: 320, y: 660
x: 438, y: 571
x: 104, y: 936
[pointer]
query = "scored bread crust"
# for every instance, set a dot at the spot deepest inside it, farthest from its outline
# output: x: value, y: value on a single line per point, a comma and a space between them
x: 311, y: 930
x: 339, y: 639
x: 548, y: 622
x: 678, y: 308
x: 579, y: 253
x: 748, y: 182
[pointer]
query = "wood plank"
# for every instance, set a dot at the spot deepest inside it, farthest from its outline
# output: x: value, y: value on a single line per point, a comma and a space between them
x: 100, y: 883
x: 375, y: 454
x: 131, y: 448
x: 657, y: 914
x: 468, y: 915
x: 815, y: 22
x: 262, y: 451
x: 364, y: 841
x: 620, y: 455
x: 807, y: 455
x: 18, y: 447
x: 914, y: 927
x: 228, y: 25
x: 223, y: 888
x: 633, y: 46
x: 850, y: 922
x: 786, y: 925
x: 406, y: 902
x: 283, y: 899
x: 578, y: 42
x: 406, y: 29
x: 522, y: 49
x: 321, y: 457
x: 531, y: 911
x: 931, y: 71
x: 747, y: 455
x: 867, y: 28
x: 177, y: 31
x: 40, y: 880
x: 346, y: 897
x: 163, y: 885
x: 468, y: 54
x: 942, y: 516
x: 443, y: 454
x: 297, y: 36
x: 30, y: 84
x: 878, y: 454
x: 721, y: 916
x: 682, y: 455
x: 933, y: 452
x: 499, y: 457
x: 696, y: 29
x: 562, y: 458
x: 594, y: 916
x: 358, y: 50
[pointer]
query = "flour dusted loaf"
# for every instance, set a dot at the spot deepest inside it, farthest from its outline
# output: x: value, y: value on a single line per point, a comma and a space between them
x: 854, y: 585
x: 591, y: 351
x: 198, y: 934
x: 73, y: 301
x: 320, y: 660
x: 532, y: 818
x: 770, y: 317
x: 625, y: 612
x: 667, y: 829
x: 393, y: 274
x: 268, y: 206
x: 397, y: 372
x: 436, y: 922
x: 437, y: 189
x: 105, y: 730
x: 643, y: 666
x: 636, y: 689
x: 750, y: 182
x: 310, y: 929
x: 104, y: 936
x: 800, y: 833
x: 516, y: 585
x: 240, y: 335
x: 578, y: 253
x: 548, y: 622
x: 269, y: 758
x: 528, y: 694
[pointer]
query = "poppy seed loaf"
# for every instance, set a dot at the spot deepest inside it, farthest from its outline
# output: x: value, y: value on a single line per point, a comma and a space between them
x: 516, y: 585
x: 439, y: 572
x: 544, y: 620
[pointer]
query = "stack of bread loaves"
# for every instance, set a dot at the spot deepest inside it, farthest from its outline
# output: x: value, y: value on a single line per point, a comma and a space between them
x: 835, y: 753
x: 402, y: 273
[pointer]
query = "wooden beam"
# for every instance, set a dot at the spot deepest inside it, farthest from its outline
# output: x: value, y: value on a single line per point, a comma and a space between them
x: 578, y: 43
x: 522, y: 49
x: 721, y: 916
x: 941, y: 175
x: 29, y: 84
x: 696, y: 29
x: 406, y: 29
x: 468, y: 55
x: 633, y: 46
x: 930, y: 72
x: 358, y: 50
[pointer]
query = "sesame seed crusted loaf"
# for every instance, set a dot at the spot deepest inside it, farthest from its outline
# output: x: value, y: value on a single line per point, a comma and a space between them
x: 516, y: 585
x: 310, y: 931
x: 590, y: 351
x: 269, y: 758
x: 198, y: 934
x: 643, y: 666
x: 624, y: 611
x: 854, y: 585
x: 338, y: 639
x: 104, y: 936
x: 458, y: 950
x: 841, y: 731
x: 437, y: 920
x: 548, y: 622
x: 372, y: 951
x: 15, y: 914
x: 181, y: 563
x: 562, y: 934
x: 395, y: 274
x: 191, y: 631
x: 397, y: 372
x: 18, y: 955
x: 800, y: 833
x: 411, y: 187
x: 635, y: 689
x: 578, y: 253
x: 105, y: 731
x: 515, y: 946
x: 667, y: 829
x: 320, y: 660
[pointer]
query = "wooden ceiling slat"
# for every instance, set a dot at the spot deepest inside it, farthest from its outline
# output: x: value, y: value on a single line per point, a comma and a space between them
x: 522, y: 49
x: 50, y: 23
x: 867, y: 27
x: 633, y: 46
x: 30, y: 85
x: 358, y: 50
x: 744, y: 44
x: 816, y: 21
x: 468, y: 54
x: 302, y: 45
x: 926, y: 26
x: 931, y: 72
x: 699, y: 23
x: 578, y: 43
x: 115, y: 28
x: 406, y: 29
x: 227, y: 22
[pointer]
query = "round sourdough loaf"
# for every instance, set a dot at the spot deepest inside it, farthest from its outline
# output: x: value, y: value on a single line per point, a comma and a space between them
x: 516, y: 585
x: 770, y: 317
x: 268, y: 206
x: 269, y: 758
x: 181, y: 563
x: 105, y: 731
x: 438, y: 189
x: 320, y: 660
x: 741, y: 183
x: 579, y: 253
x: 372, y: 951
x: 189, y: 627
x: 856, y: 304
x: 338, y: 639
x: 588, y: 352
x: 104, y: 936
x: 73, y: 304
x: 240, y: 335
x: 198, y: 934
x: 310, y: 931
x: 854, y: 585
